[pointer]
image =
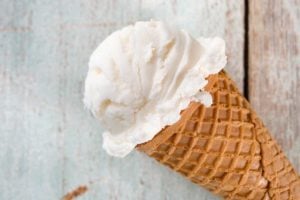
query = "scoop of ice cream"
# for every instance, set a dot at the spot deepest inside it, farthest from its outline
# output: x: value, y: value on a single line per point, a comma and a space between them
x: 142, y: 76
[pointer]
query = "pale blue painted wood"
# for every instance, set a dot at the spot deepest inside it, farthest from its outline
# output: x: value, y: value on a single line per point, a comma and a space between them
x: 49, y: 144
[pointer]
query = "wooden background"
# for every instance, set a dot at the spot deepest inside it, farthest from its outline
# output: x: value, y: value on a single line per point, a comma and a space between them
x: 49, y: 144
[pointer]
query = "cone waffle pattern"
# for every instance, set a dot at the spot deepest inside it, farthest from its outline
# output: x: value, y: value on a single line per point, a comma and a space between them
x: 226, y: 148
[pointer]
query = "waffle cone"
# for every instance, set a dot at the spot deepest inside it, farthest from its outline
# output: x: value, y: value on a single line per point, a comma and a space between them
x: 226, y: 148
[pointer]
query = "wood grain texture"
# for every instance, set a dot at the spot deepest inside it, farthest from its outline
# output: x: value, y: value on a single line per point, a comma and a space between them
x: 274, y: 70
x: 49, y: 144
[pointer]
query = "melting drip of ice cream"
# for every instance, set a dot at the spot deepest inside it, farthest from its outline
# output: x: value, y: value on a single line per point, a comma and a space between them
x: 142, y: 76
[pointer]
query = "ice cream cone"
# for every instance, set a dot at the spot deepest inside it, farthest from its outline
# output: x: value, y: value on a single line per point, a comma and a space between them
x: 226, y: 148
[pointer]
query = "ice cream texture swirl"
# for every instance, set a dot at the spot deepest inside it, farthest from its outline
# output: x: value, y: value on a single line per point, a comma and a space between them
x: 142, y: 76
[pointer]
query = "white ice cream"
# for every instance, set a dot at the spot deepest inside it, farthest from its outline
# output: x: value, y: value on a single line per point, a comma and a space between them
x: 142, y: 76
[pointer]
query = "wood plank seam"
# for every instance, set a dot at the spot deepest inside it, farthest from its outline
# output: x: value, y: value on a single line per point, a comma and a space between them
x: 246, y: 50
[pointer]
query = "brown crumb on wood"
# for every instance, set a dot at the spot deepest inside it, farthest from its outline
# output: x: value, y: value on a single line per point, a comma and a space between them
x: 75, y: 193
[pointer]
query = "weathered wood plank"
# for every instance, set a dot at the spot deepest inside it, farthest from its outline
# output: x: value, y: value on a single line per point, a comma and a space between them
x: 49, y: 144
x: 274, y: 69
x: 30, y: 116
